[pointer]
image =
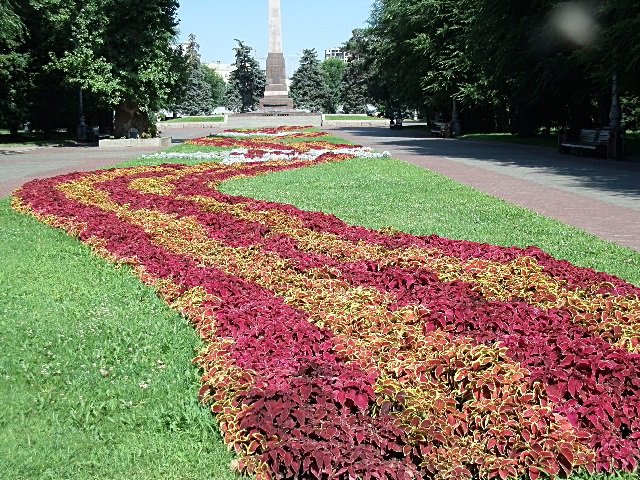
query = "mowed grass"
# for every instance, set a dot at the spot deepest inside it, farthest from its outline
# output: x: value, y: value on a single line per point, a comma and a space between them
x: 215, y: 119
x: 631, y: 150
x: 353, y: 117
x: 539, y: 141
x: 96, y: 379
x: 382, y: 193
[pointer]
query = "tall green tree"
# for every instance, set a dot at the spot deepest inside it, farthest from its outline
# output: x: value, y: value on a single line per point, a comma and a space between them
x: 528, y: 63
x: 247, y: 81
x: 14, y: 80
x: 361, y: 80
x: 333, y: 69
x: 429, y: 37
x: 513, y: 61
x: 197, y: 98
x: 123, y: 54
x: 232, y: 99
x: 308, y: 84
x: 217, y: 86
x: 355, y: 88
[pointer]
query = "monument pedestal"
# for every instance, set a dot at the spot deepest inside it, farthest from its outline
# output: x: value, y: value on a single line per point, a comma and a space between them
x: 276, y: 94
x: 276, y: 104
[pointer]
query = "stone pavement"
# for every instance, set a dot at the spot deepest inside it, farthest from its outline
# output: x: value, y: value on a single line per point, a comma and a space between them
x: 20, y: 165
x: 599, y: 196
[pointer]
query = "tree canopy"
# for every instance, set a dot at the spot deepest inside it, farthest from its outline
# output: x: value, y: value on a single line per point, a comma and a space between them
x: 247, y: 82
x: 524, y: 65
x: 333, y: 69
x: 217, y: 86
x: 120, y: 53
x: 308, y: 85
x: 202, y: 84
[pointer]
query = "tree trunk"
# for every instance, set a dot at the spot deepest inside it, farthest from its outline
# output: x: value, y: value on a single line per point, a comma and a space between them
x: 129, y: 115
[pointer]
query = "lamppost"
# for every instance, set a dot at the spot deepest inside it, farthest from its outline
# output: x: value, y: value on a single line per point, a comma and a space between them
x: 615, y: 148
x: 82, y: 127
x: 456, y: 128
x: 615, y: 114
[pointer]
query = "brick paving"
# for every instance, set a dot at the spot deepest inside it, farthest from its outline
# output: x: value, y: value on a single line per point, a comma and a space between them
x: 599, y: 196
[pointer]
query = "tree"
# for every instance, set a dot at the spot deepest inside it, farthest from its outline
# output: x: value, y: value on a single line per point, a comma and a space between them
x: 333, y: 69
x: 429, y: 37
x: 512, y: 64
x: 247, y: 81
x: 123, y: 54
x: 197, y: 98
x: 308, y: 85
x: 355, y: 90
x: 216, y: 85
x: 232, y: 98
x: 14, y: 80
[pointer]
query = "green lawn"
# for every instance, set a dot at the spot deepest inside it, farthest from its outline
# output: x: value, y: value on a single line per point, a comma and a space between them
x: 390, y: 193
x: 353, y: 117
x: 215, y: 119
x: 632, y: 142
x: 35, y: 139
x: 96, y: 378
x: 96, y: 371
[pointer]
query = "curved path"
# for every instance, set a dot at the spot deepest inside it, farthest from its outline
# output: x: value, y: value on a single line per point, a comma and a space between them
x: 20, y: 165
x: 599, y: 196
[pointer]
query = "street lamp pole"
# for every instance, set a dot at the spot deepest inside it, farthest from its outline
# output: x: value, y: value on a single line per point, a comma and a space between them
x: 455, y: 119
x: 615, y: 114
x: 82, y: 128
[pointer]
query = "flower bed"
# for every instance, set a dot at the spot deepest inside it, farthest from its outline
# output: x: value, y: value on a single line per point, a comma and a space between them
x: 342, y: 352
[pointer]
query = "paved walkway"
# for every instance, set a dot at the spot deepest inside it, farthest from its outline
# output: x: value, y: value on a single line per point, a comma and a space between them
x: 596, y: 195
x: 599, y: 196
x: 20, y: 165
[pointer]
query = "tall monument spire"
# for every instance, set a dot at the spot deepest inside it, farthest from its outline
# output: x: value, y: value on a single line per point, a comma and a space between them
x: 276, y: 95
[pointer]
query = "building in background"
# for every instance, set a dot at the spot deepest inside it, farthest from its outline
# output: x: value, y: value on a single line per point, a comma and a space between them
x: 223, y: 69
x: 338, y: 53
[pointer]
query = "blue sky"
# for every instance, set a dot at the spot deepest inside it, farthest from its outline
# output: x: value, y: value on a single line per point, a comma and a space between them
x: 318, y: 24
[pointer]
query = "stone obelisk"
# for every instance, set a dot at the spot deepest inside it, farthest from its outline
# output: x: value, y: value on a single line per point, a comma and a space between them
x: 276, y: 95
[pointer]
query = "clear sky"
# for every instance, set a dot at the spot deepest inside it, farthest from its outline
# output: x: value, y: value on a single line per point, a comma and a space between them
x: 318, y: 24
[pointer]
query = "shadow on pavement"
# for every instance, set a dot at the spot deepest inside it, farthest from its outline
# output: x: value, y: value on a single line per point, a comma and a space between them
x: 621, y: 176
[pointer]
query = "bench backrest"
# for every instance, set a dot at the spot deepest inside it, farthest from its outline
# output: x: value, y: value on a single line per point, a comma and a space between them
x: 594, y: 137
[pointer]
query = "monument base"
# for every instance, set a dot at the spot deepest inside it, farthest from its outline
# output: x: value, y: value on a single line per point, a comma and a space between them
x: 274, y: 118
x: 276, y: 103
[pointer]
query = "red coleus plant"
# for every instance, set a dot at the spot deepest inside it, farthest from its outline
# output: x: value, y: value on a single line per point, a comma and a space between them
x: 336, y: 351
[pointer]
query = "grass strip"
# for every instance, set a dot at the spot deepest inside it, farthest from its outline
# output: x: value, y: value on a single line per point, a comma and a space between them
x: 216, y: 119
x: 632, y: 142
x: 382, y: 193
x: 540, y: 141
x: 96, y: 378
x: 353, y: 117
